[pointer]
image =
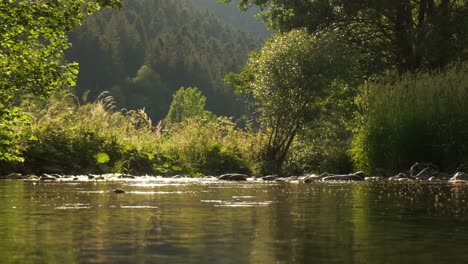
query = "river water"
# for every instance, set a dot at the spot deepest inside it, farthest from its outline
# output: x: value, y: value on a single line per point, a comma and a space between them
x: 207, y: 221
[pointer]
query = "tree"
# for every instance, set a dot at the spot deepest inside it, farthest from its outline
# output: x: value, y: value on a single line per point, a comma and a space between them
x: 32, y: 41
x: 405, y: 34
x: 289, y: 78
x: 186, y: 103
x: 146, y: 90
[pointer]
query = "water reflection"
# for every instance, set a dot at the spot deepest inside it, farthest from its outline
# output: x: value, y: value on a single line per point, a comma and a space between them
x: 211, y: 222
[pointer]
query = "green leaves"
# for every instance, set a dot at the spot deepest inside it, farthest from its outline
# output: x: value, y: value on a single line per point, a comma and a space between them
x: 186, y: 103
x: 102, y: 158
x: 32, y: 44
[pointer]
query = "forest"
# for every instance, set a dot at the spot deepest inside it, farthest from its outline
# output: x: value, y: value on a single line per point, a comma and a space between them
x: 180, y: 87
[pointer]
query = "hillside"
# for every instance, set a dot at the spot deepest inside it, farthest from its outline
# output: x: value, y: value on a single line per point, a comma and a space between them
x: 229, y: 13
x: 148, y: 49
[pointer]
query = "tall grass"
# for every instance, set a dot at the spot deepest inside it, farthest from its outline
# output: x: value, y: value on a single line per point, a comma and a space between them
x: 71, y: 135
x: 421, y: 117
x: 76, y: 137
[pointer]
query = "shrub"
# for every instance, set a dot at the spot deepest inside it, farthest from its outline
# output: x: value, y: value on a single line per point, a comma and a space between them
x: 210, y: 146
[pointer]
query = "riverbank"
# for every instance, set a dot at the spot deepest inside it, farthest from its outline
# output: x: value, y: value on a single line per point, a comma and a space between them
x: 419, y: 172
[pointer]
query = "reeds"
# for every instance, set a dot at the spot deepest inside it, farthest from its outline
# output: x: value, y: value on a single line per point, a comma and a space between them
x: 416, y: 117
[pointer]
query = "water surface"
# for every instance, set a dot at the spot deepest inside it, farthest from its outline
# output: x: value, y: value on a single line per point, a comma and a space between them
x: 193, y: 221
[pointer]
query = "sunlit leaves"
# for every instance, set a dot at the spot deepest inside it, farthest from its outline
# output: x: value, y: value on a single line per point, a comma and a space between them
x: 186, y: 103
x: 32, y: 44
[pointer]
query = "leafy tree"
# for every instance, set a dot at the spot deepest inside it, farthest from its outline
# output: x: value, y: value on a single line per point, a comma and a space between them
x: 405, y: 34
x: 186, y: 103
x: 32, y: 41
x: 146, y: 90
x: 289, y: 78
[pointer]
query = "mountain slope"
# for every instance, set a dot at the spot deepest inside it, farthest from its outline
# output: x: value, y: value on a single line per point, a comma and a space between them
x: 147, y: 50
x: 230, y: 13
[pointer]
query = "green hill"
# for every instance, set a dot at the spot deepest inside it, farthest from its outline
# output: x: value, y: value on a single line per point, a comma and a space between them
x: 148, y: 49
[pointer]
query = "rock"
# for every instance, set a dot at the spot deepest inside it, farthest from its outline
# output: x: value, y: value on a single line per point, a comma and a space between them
x: 33, y: 178
x: 47, y: 177
x: 270, y: 178
x: 118, y: 191
x: 440, y: 176
x: 313, y: 178
x: 358, y: 176
x: 436, y: 179
x: 404, y: 179
x: 374, y: 178
x: 13, y: 176
x: 177, y: 177
x: 459, y: 176
x: 361, y: 174
x: 233, y: 177
x: 90, y: 177
x: 126, y: 176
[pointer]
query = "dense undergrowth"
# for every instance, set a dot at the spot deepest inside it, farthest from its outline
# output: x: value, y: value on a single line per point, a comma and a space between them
x: 400, y: 120
x: 417, y: 117
x: 67, y: 135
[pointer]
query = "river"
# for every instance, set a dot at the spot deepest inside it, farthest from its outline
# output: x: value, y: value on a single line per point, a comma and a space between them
x: 207, y: 221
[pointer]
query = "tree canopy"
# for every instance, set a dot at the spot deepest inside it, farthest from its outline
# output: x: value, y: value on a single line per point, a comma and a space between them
x: 32, y: 43
x: 405, y: 34
x: 289, y: 78
x: 186, y: 103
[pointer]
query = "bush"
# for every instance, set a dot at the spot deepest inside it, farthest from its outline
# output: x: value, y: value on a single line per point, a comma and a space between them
x: 210, y: 146
x: 421, y: 117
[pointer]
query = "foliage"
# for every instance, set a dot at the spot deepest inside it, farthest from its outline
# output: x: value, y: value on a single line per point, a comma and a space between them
x: 32, y: 42
x: 183, y: 45
x: 408, y: 35
x: 323, y: 147
x: 420, y: 117
x: 91, y: 137
x: 13, y: 123
x: 186, y: 103
x: 68, y: 135
x: 211, y: 146
x: 145, y: 91
x: 291, y: 79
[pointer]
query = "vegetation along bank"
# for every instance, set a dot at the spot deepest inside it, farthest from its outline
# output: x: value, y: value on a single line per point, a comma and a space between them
x: 336, y: 87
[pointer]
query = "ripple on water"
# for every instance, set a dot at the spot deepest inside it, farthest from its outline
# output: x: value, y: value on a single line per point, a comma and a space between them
x: 243, y: 204
x: 138, y: 207
x: 243, y: 197
x: 225, y: 203
x: 162, y: 192
x: 74, y: 206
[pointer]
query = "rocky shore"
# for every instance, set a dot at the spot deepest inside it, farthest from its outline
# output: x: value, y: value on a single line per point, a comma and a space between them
x: 421, y: 172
